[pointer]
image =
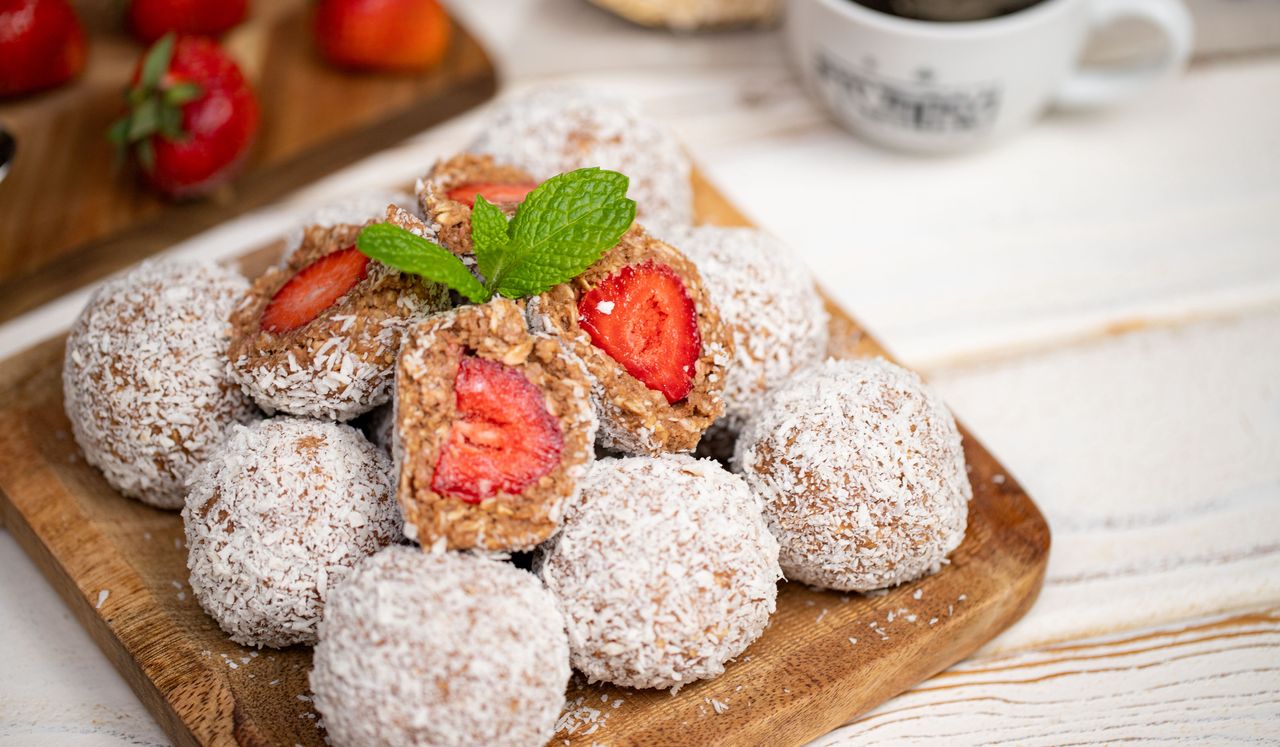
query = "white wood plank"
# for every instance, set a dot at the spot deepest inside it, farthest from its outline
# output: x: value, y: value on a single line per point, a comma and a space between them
x: 1155, y: 457
x: 1215, y: 680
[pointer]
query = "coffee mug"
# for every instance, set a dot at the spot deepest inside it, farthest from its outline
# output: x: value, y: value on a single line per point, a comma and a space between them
x: 934, y: 86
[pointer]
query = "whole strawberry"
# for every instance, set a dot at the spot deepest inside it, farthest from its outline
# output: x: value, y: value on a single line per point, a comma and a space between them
x: 41, y: 45
x: 152, y: 19
x: 192, y: 116
x: 390, y: 35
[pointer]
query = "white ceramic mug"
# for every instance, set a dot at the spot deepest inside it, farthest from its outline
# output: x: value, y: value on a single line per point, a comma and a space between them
x: 946, y: 86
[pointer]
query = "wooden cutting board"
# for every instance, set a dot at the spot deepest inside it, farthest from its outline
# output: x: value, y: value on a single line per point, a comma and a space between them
x: 825, y: 658
x: 69, y: 214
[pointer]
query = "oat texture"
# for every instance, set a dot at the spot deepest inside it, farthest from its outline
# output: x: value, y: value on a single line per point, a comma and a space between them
x: 342, y: 363
x: 633, y: 418
x: 450, y: 219
x: 425, y: 412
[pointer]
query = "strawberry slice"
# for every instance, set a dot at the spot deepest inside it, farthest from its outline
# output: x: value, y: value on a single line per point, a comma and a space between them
x: 642, y: 317
x: 502, y: 438
x: 498, y: 194
x: 315, y: 288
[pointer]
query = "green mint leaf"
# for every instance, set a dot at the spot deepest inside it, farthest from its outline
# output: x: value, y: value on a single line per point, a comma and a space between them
x: 396, y: 247
x: 156, y: 62
x: 488, y: 236
x: 561, y: 229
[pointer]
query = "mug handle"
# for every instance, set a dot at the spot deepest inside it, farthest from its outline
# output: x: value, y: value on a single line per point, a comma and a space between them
x: 1091, y: 88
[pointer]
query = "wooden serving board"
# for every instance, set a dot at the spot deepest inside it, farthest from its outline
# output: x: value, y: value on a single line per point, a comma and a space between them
x: 69, y: 214
x: 825, y: 658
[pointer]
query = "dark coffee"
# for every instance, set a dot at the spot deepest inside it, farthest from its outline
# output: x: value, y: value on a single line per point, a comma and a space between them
x: 948, y: 10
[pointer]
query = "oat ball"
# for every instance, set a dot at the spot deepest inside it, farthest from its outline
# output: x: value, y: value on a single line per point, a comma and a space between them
x: 767, y: 298
x: 862, y: 474
x: 652, y: 340
x: 447, y: 194
x: 664, y: 571
x: 144, y: 381
x: 494, y: 429
x: 319, y: 336
x: 278, y: 517
x: 556, y: 129
x: 689, y: 15
x: 356, y: 210
x: 446, y: 649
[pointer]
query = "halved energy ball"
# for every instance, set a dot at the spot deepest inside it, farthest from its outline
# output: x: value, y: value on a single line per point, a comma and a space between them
x: 440, y: 649
x: 652, y: 340
x: 664, y: 571
x: 354, y: 210
x: 494, y: 429
x: 448, y: 192
x: 553, y: 130
x: 319, y: 337
x: 862, y: 473
x: 767, y: 299
x: 145, y: 383
x: 277, y: 518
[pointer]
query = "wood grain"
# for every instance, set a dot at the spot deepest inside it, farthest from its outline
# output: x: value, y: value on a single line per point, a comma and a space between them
x: 69, y: 214
x: 1215, y: 680
x: 825, y: 658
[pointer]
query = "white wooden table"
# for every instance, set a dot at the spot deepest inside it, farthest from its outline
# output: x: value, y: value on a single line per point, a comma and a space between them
x: 1099, y: 300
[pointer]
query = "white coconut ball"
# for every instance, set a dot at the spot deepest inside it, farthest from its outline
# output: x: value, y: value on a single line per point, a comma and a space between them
x: 664, y: 571
x: 552, y: 130
x: 277, y: 518
x: 145, y: 381
x: 862, y: 473
x: 421, y: 649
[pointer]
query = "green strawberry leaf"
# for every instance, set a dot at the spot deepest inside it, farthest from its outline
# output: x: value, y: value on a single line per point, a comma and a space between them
x: 396, y: 247
x: 561, y: 229
x: 488, y: 235
x: 182, y: 93
x: 156, y: 62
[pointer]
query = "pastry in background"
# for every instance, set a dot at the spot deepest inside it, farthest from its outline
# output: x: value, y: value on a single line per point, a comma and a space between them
x: 689, y: 15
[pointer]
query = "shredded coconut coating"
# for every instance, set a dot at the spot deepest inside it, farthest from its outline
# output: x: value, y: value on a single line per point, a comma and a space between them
x: 556, y: 129
x: 440, y: 650
x: 862, y: 473
x: 279, y: 516
x: 425, y: 412
x: 767, y: 299
x: 356, y: 209
x: 342, y: 363
x: 450, y: 219
x: 633, y: 418
x: 664, y: 571
x: 145, y: 383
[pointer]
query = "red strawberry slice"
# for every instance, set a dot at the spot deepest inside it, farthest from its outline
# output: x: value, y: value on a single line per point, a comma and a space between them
x: 642, y: 317
x: 314, y: 289
x: 502, y: 438
x: 498, y: 194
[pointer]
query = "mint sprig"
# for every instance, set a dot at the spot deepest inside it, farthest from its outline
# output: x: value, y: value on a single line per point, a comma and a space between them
x: 562, y: 227
x: 407, y: 252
